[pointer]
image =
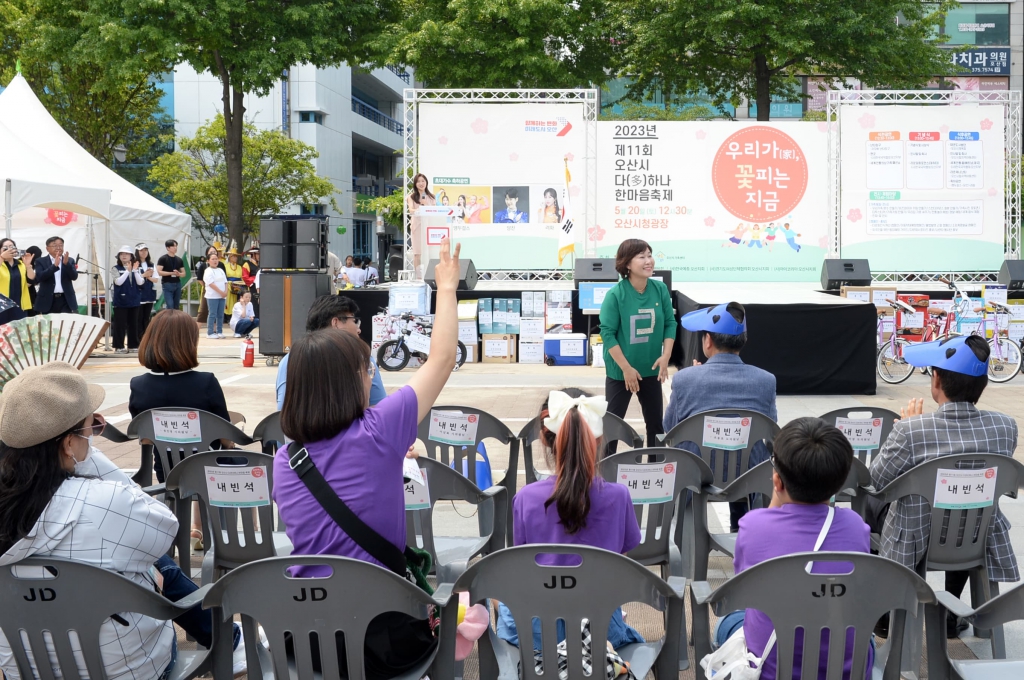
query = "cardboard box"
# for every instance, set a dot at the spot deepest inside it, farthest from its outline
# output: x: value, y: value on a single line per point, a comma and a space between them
x: 377, y: 329
x: 533, y: 305
x: 532, y: 330
x: 485, y: 315
x: 472, y: 352
x: 877, y: 295
x: 889, y: 323
x: 499, y: 317
x: 526, y: 305
x: 533, y: 352
x: 499, y: 348
x: 558, y: 312
x: 467, y: 332
x: 512, y: 317
x: 468, y: 309
x: 911, y: 327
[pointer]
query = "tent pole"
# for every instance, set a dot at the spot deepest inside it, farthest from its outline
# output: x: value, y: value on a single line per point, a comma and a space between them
x: 106, y: 298
x: 7, y: 207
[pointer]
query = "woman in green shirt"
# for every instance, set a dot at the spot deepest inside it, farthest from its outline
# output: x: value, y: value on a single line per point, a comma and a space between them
x: 638, y: 329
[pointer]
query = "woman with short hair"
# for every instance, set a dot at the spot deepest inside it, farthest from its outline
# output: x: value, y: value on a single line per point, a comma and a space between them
x: 17, y: 276
x: 127, y: 294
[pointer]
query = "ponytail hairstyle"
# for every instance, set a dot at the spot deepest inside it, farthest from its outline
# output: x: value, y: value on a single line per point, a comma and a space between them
x: 575, y: 454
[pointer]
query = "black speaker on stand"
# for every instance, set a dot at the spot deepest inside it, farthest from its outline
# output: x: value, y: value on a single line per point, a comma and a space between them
x: 467, y: 274
x: 839, y: 272
x: 1012, y: 274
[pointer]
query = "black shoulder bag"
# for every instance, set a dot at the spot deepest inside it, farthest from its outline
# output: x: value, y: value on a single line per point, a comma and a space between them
x: 396, y: 643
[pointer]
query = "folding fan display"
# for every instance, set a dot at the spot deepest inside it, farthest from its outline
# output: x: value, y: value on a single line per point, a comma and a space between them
x: 37, y: 340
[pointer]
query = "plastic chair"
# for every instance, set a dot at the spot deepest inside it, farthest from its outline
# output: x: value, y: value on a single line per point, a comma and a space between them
x: 488, y: 427
x: 961, y: 542
x: 111, y: 433
x: 615, y: 429
x: 795, y: 599
x: 887, y: 417
x: 230, y: 547
x: 452, y: 553
x: 591, y: 590
x: 692, y: 474
x: 336, y: 609
x: 1006, y: 607
x: 269, y: 434
x: 83, y: 597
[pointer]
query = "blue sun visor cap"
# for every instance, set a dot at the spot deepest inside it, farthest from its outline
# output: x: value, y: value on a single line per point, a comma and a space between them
x: 952, y: 354
x: 714, y: 320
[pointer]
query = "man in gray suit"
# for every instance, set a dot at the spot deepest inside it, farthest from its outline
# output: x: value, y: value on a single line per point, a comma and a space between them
x: 724, y: 381
x: 959, y: 376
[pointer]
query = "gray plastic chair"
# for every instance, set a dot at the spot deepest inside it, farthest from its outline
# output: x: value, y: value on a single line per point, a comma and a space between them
x: 343, y: 603
x: 269, y: 434
x: 72, y: 596
x: 793, y: 599
x: 964, y: 548
x: 111, y: 433
x: 856, y: 487
x: 452, y: 554
x: 592, y: 590
x: 887, y: 417
x: 615, y: 429
x: 488, y: 427
x: 1004, y: 608
x: 656, y: 547
x: 229, y: 548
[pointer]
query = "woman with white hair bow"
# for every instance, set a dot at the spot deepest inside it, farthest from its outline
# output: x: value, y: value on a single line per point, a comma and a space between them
x: 576, y: 506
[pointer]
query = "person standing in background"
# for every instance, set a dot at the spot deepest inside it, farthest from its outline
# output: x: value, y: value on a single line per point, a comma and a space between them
x: 16, y: 278
x: 201, y: 316
x: 419, y: 196
x: 216, y: 294
x: 171, y: 270
x: 56, y: 274
x: 33, y: 287
x: 334, y: 269
x: 148, y: 287
x: 249, y: 271
x: 127, y: 294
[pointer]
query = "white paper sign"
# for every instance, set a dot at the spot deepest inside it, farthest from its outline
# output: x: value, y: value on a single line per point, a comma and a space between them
x: 418, y: 342
x: 881, y: 297
x: 994, y: 293
x: 453, y: 427
x: 965, y: 489
x: 862, y: 295
x: 467, y: 332
x: 599, y: 294
x: 559, y: 315
x: 864, y: 434
x: 181, y: 427
x: 915, y: 320
x: 1016, y: 332
x: 411, y: 470
x: 416, y: 494
x: 726, y: 434
x: 571, y: 348
x: 531, y: 330
x: 650, y: 483
x: 237, y: 487
x: 495, y: 348
x: 435, y: 235
x: 531, y: 352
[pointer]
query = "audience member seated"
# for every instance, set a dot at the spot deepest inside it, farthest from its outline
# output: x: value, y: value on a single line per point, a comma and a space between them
x: 959, y: 376
x: 722, y: 382
x: 576, y: 506
x: 59, y: 497
x: 358, y: 449
x: 331, y: 311
x: 169, y: 349
x: 812, y: 460
x: 243, y: 318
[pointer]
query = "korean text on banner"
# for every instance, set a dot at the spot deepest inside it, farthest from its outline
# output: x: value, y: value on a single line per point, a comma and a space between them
x: 730, y: 433
x: 650, y: 483
x: 416, y: 494
x: 237, y: 487
x: 965, y: 489
x: 181, y: 427
x: 453, y: 427
x: 864, y: 434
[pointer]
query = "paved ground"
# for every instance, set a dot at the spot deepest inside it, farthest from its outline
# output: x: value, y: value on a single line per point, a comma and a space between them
x: 513, y: 393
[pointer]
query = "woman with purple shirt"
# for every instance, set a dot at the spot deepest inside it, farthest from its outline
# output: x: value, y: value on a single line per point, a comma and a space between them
x: 575, y: 507
x: 812, y: 460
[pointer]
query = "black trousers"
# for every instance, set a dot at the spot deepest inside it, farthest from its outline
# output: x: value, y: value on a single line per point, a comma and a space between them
x: 126, y: 320
x: 651, y: 405
x: 145, y: 311
x: 60, y: 306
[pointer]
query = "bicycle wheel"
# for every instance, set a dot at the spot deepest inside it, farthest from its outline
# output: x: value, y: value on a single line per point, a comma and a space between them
x: 460, y: 355
x: 1004, y: 361
x: 393, y: 355
x: 892, y: 368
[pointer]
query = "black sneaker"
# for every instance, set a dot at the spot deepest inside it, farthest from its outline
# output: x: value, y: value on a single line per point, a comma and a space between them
x: 954, y: 626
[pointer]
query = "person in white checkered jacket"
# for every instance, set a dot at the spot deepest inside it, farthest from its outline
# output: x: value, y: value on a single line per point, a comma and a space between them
x: 959, y: 376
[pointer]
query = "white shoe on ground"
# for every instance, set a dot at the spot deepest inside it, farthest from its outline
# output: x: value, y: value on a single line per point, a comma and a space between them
x: 239, y: 665
x: 211, y: 336
x: 238, y: 335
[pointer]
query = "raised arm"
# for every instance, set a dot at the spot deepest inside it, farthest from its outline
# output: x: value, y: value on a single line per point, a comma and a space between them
x: 430, y: 379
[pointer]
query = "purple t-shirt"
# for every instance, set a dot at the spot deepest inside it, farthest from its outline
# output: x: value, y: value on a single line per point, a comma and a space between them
x: 363, y: 464
x: 611, y: 523
x: 793, y: 528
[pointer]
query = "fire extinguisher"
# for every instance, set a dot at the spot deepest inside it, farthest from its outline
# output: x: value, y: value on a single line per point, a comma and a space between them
x: 248, y: 353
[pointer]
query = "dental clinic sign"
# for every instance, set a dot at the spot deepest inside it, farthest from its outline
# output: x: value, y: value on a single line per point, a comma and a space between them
x: 992, y: 61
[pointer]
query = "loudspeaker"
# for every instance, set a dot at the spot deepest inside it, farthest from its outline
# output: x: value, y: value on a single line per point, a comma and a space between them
x: 285, y: 299
x: 294, y: 243
x: 467, y: 274
x: 838, y: 273
x: 395, y: 261
x: 1012, y: 274
x: 595, y: 269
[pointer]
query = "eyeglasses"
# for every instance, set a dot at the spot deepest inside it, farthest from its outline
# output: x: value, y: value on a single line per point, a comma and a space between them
x: 94, y: 430
x: 371, y: 370
x: 354, y: 319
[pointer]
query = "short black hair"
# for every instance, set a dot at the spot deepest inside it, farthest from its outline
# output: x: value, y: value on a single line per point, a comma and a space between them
x: 959, y: 386
x: 813, y: 459
x: 731, y: 343
x: 366, y: 259
x: 512, y: 193
x: 50, y: 240
x: 328, y: 307
x: 170, y: 242
x: 36, y: 252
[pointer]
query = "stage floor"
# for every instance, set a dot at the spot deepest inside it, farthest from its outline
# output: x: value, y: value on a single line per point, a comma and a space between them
x: 747, y: 293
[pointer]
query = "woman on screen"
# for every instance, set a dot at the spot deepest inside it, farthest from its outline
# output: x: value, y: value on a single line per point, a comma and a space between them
x: 419, y: 196
x: 550, y: 212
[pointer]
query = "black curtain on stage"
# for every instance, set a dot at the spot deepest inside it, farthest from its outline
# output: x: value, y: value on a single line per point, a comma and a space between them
x: 810, y: 349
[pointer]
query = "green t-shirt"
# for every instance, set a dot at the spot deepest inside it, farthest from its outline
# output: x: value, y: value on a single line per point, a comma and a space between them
x: 639, y: 324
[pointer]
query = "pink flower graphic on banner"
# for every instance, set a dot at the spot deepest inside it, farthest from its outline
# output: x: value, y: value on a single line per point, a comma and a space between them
x: 597, y: 233
x: 700, y: 134
x: 574, y: 190
x: 823, y: 242
x: 443, y: 141
x: 709, y: 221
x: 479, y: 126
x: 986, y: 124
x: 570, y: 156
x: 854, y: 215
x: 992, y: 191
x: 943, y: 129
x: 867, y: 121
x: 513, y: 157
x: 822, y: 126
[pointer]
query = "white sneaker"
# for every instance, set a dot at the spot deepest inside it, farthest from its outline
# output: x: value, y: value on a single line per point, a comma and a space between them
x: 211, y: 336
x: 238, y: 335
x: 220, y: 335
x: 239, y: 666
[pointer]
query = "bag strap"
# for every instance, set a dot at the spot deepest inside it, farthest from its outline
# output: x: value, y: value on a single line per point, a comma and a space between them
x: 379, y: 548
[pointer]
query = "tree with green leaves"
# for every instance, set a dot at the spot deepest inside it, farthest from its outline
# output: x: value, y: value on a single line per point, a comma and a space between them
x: 100, y: 104
x: 247, y: 45
x: 277, y: 171
x: 500, y: 43
x: 756, y: 48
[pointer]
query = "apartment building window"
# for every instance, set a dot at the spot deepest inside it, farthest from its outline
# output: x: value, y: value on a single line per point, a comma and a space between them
x: 311, y: 117
x: 313, y: 209
x: 362, y: 235
x: 983, y: 23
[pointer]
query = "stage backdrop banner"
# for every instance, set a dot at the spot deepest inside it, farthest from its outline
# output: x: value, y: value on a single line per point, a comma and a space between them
x: 923, y: 187
x: 717, y: 200
x: 513, y: 173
